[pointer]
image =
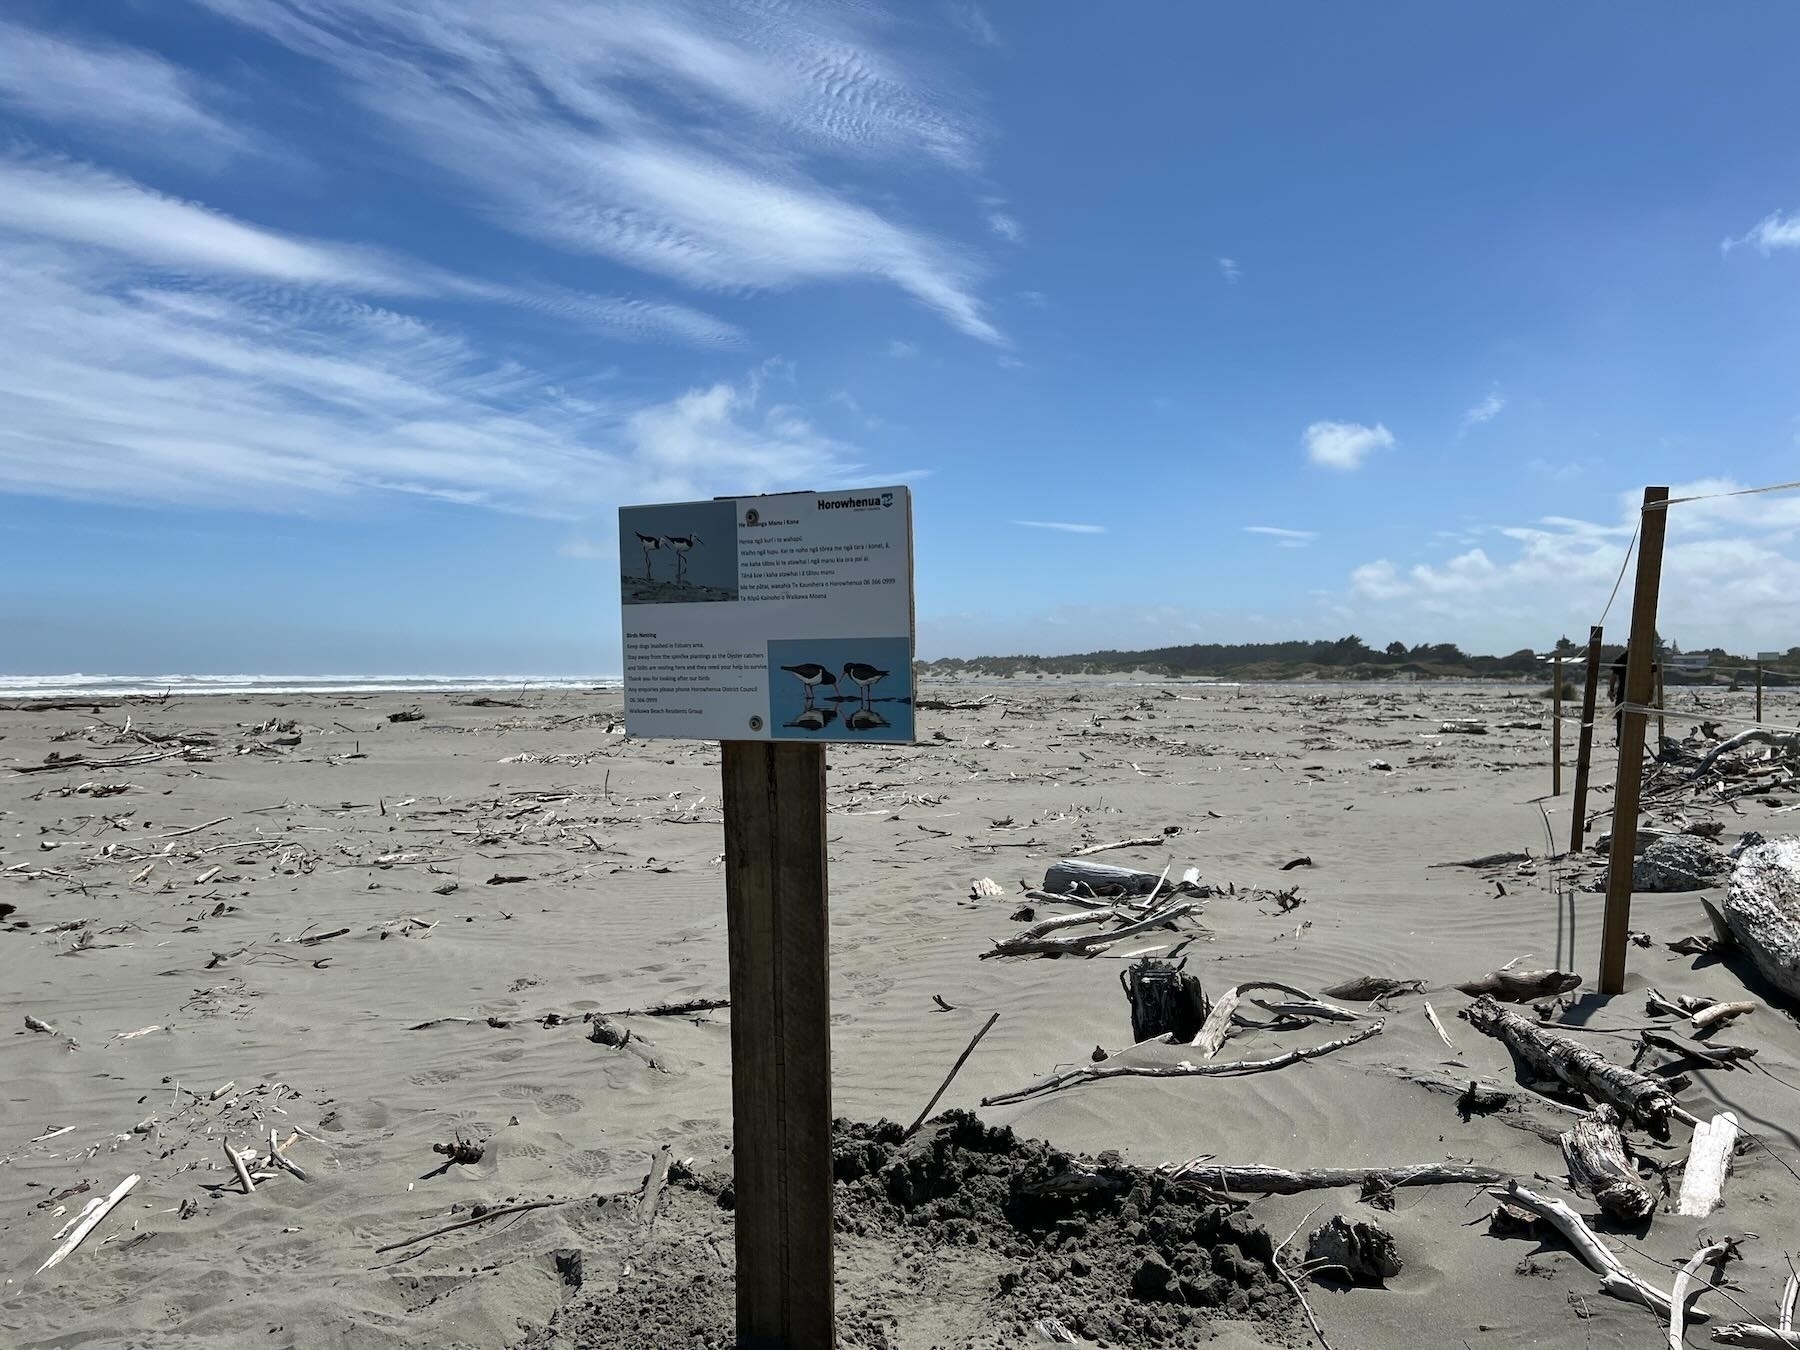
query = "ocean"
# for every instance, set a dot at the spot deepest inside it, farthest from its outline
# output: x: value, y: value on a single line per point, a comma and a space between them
x: 125, y: 686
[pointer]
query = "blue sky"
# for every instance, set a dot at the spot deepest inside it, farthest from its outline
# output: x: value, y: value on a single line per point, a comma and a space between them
x: 335, y: 331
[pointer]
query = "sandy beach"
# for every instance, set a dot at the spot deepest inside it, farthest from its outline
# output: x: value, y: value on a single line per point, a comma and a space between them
x: 290, y: 914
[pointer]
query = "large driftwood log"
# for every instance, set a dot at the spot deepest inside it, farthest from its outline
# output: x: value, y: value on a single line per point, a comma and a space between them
x: 1594, y: 1150
x: 1709, y: 1159
x: 1755, y: 1334
x: 1070, y: 877
x: 1642, y: 1100
x: 1521, y: 986
x: 1255, y: 1179
x: 1614, y: 1278
x: 1763, y: 909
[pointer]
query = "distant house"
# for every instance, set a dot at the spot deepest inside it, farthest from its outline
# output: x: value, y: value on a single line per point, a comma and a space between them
x: 1689, y: 661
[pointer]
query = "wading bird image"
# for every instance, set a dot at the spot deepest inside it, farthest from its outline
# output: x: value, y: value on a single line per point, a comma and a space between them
x: 649, y: 543
x: 811, y: 675
x: 865, y: 676
x: 681, y: 543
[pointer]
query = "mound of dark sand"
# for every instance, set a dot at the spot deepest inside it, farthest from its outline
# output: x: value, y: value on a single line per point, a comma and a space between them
x: 962, y: 1238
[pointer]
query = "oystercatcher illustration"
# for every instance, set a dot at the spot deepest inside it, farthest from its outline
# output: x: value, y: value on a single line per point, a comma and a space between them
x: 681, y: 543
x: 813, y: 719
x: 649, y: 543
x: 811, y: 675
x: 865, y: 719
x: 865, y: 676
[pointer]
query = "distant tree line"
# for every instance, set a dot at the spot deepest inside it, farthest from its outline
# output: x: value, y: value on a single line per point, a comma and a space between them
x: 1343, y: 658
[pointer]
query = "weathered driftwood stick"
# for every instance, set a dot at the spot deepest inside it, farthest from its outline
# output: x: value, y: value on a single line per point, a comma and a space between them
x: 683, y: 1009
x: 1717, y: 1056
x: 1437, y: 1025
x: 1709, y: 1159
x: 91, y: 1222
x: 1594, y: 1151
x: 1088, y: 1072
x: 1643, y: 1100
x: 498, y: 1213
x: 1720, y: 1013
x: 1260, y: 1180
x: 1678, y: 1294
x: 1614, y: 1278
x: 1082, y: 942
x: 1785, y: 1322
x: 1757, y: 1335
x: 1743, y: 738
x: 1155, y: 841
x: 654, y: 1181
x: 950, y: 1077
x: 1217, y: 1025
x: 1044, y: 927
x: 237, y: 1165
x: 1762, y: 908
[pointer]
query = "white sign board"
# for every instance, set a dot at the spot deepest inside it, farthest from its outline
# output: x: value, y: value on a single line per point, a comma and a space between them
x: 785, y: 617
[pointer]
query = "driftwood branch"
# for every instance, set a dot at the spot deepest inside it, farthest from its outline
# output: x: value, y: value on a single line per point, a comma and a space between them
x: 498, y: 1213
x: 1643, y: 1100
x: 1083, y: 942
x: 1786, y: 740
x: 950, y: 1077
x: 1258, y: 1180
x: 1678, y: 1294
x: 90, y: 1222
x: 1614, y: 1278
x: 1090, y: 1072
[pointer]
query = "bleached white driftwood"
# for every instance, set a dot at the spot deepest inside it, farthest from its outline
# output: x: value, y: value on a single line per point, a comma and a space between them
x: 1678, y: 1295
x: 91, y: 1222
x: 237, y: 1164
x: 1755, y: 1334
x: 1218, y: 1024
x: 1762, y: 907
x: 1709, y: 1159
x: 1615, y: 1280
x: 1081, y: 942
x: 1787, y: 739
x: 1720, y: 1013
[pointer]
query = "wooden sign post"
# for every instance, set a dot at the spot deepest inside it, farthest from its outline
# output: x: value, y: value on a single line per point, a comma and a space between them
x: 1615, y: 933
x: 1584, y: 745
x: 774, y: 625
x: 1556, y: 729
x: 775, y: 904
x: 1759, y: 682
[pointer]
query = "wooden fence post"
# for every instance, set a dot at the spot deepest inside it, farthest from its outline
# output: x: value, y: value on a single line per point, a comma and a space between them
x: 1759, y: 691
x: 1662, y: 694
x: 1584, y: 745
x: 775, y: 904
x: 1556, y: 728
x: 1615, y: 930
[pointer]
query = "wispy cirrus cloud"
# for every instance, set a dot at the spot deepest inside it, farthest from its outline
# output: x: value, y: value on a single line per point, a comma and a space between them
x: 1067, y: 527
x: 117, y: 90
x: 1773, y: 231
x: 671, y: 138
x: 1485, y: 411
x: 1286, y: 538
x: 1345, y: 445
x: 1229, y: 269
x: 65, y: 202
x: 281, y: 398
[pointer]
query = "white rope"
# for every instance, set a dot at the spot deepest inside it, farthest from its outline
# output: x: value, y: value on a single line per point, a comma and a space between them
x: 1712, y: 496
x: 1723, y: 718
